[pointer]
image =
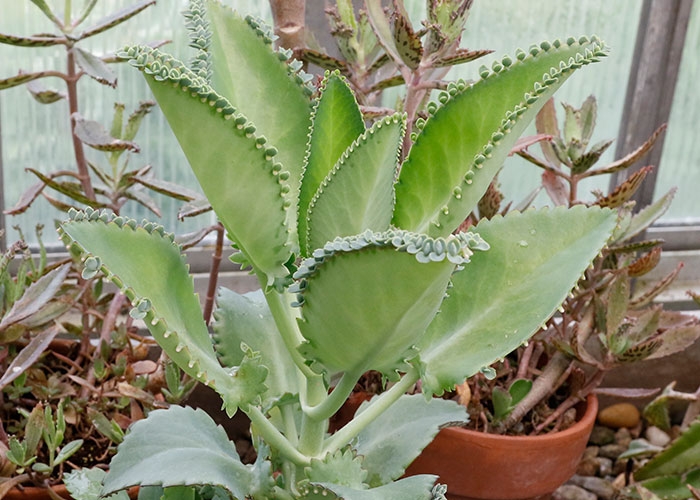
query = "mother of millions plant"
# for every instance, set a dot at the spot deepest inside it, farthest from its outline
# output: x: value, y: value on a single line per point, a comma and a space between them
x: 351, y: 229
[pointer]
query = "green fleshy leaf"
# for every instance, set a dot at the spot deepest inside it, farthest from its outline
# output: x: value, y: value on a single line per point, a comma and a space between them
x: 133, y: 123
x: 394, y: 439
x: 30, y: 41
x: 178, y: 447
x: 679, y: 457
x: 342, y: 468
x: 246, y: 319
x: 234, y: 166
x: 116, y: 18
x: 14, y: 81
x: 43, y: 95
x: 644, y: 218
x: 86, y: 484
x: 409, y: 488
x: 44, y: 7
x: 397, y: 292
x: 248, y: 74
x: 337, y: 122
x: 672, y: 487
x: 162, y: 292
x: 464, y: 143
x: 499, y: 300
x: 358, y: 193
x: 93, y: 134
x: 35, y: 297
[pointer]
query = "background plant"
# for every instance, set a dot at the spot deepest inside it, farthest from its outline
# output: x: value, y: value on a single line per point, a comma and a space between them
x: 66, y: 404
x: 101, y: 382
x: 606, y: 321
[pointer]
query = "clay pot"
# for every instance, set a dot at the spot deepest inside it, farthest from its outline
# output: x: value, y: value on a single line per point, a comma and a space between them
x: 35, y: 493
x: 477, y: 465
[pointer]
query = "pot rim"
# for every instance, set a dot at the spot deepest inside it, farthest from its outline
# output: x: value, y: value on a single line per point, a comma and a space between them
x: 587, y: 419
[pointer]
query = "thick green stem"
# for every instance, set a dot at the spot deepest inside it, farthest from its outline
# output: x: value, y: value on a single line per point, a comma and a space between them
x: 335, y: 400
x: 313, y: 430
x: 275, y: 438
x: 377, y: 406
x: 288, y: 329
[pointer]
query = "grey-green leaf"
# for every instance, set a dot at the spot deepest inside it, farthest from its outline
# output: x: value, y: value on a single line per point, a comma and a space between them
x: 178, y: 446
x: 394, y: 439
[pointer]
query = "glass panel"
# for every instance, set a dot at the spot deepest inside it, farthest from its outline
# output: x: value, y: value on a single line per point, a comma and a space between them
x: 680, y: 160
x: 510, y: 24
x: 37, y: 136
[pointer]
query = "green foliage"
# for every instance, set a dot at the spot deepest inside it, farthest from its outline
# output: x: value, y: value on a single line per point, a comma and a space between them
x: 357, y: 272
x: 606, y: 321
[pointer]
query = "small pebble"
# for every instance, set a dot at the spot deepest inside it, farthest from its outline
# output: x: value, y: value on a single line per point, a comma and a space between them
x: 601, y: 435
x: 599, y: 486
x: 623, y: 436
x: 605, y: 466
x: 657, y: 437
x: 619, y: 468
x: 619, y: 415
x: 588, y: 467
x: 572, y: 492
x: 612, y: 451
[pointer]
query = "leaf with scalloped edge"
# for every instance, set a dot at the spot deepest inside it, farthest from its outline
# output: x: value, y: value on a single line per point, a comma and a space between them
x: 461, y: 147
x: 409, y: 488
x: 258, y: 81
x: 146, y: 264
x: 357, y: 194
x: 180, y: 446
x: 366, y: 300
x: 384, y: 444
x: 337, y: 122
x: 236, y: 168
x: 499, y: 300
x: 247, y: 319
x: 343, y: 467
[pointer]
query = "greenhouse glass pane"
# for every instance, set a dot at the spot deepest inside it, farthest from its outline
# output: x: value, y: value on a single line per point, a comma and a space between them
x: 507, y: 25
x: 680, y: 160
x: 37, y: 136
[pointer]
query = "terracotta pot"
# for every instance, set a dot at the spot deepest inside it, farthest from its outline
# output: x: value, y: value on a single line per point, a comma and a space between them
x: 476, y: 465
x: 35, y: 493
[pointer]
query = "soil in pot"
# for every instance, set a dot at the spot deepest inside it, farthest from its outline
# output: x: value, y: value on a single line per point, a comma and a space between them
x: 477, y: 465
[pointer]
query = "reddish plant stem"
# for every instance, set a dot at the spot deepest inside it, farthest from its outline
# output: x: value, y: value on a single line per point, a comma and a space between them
x: 289, y: 20
x: 80, y: 160
x: 524, y: 364
x: 571, y: 401
x: 214, y: 272
x: 107, y: 327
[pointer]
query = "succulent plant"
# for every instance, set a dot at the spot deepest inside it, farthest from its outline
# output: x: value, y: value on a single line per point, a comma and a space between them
x: 352, y: 231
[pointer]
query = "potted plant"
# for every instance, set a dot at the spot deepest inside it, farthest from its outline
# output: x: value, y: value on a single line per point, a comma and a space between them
x: 530, y: 397
x: 65, y: 402
x: 351, y: 231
